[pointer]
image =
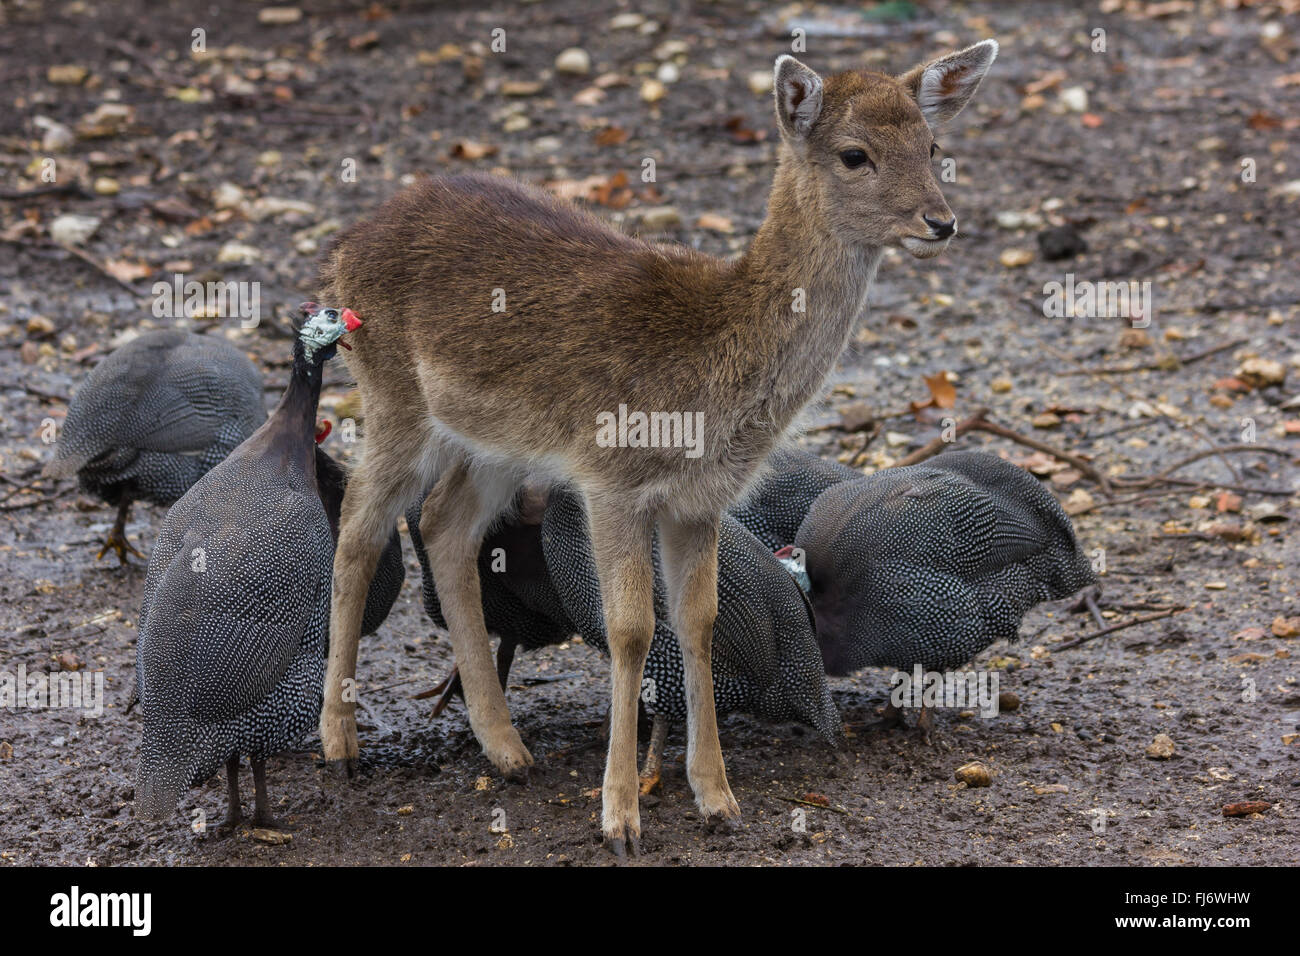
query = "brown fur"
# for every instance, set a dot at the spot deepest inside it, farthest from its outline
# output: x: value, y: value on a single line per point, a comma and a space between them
x: 483, y: 401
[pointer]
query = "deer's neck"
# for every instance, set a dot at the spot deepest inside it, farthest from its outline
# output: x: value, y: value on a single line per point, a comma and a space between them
x: 802, y: 290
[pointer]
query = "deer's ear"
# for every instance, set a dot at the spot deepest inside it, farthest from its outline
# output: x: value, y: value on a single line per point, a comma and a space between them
x: 798, y: 97
x: 943, y: 86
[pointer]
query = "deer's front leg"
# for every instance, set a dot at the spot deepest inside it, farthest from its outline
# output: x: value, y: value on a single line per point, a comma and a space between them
x: 355, y: 559
x: 622, y: 547
x: 690, y: 557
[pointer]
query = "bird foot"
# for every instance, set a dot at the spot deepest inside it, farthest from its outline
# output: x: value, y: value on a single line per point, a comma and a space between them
x: 265, y: 821
x: 650, y: 781
x: 229, y: 823
x: 116, y: 540
x: 891, y: 718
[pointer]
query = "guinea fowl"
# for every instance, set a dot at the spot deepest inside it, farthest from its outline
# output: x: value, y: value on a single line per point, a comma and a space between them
x: 235, y: 617
x: 153, y: 417
x: 929, y: 564
x: 539, y: 587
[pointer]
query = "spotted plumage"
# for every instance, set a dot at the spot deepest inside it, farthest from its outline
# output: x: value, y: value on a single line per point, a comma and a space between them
x: 777, y: 505
x: 234, y: 622
x: 930, y: 564
x: 155, y: 416
x: 765, y: 660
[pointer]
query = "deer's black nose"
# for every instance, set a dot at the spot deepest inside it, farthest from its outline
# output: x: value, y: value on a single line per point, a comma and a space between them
x: 941, y: 229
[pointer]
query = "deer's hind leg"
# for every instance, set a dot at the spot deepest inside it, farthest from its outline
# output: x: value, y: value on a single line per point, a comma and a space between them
x: 622, y: 542
x: 389, y: 477
x: 690, y: 558
x: 455, y: 517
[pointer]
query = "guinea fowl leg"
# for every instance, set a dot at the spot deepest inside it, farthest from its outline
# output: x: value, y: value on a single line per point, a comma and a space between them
x: 891, y: 718
x: 505, y: 657
x: 449, y: 686
x: 1089, y: 600
x: 652, y: 769
x: 234, y: 814
x: 925, y: 723
x: 117, y: 536
x: 262, y: 805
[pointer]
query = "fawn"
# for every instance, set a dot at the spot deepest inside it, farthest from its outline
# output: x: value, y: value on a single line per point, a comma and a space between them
x: 503, y: 325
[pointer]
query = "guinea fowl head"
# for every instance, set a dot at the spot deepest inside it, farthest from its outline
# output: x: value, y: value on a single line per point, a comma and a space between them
x: 322, y: 332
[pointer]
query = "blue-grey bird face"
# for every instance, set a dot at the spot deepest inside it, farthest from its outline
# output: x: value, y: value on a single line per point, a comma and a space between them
x: 325, y: 328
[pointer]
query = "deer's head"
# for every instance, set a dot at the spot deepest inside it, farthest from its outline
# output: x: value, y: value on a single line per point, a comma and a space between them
x: 863, y: 143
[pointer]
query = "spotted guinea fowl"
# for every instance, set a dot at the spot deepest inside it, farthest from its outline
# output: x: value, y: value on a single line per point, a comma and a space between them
x: 539, y: 586
x: 235, y: 617
x: 153, y: 417
x: 791, y: 482
x: 929, y: 564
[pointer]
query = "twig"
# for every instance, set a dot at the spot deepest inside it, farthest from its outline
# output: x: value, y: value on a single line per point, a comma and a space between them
x: 1204, y: 453
x: 1065, y: 456
x: 978, y: 422
x: 936, y: 445
x: 1141, y: 498
x: 818, y: 806
x: 33, y: 390
x: 1228, y: 486
x: 1119, y: 627
x: 70, y: 188
x: 30, y: 504
x: 1180, y: 363
x: 85, y: 257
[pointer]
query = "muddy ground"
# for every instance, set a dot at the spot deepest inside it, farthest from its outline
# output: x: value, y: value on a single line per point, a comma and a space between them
x: 1148, y: 169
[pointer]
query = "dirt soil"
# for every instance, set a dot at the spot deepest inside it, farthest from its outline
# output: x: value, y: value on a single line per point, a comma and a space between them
x: 1148, y: 170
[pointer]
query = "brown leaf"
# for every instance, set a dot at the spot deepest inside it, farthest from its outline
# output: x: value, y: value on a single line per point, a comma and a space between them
x: 740, y: 133
x: 471, y: 149
x: 1227, y: 501
x: 1286, y: 626
x: 364, y: 41
x: 714, y: 222
x: 943, y: 394
x: 1246, y: 808
x: 613, y: 192
x: 611, y: 136
x: 126, y: 270
x: 1048, y: 81
x: 856, y: 417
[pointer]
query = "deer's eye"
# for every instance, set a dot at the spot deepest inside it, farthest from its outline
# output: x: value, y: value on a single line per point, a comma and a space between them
x: 853, y: 158
x: 934, y: 148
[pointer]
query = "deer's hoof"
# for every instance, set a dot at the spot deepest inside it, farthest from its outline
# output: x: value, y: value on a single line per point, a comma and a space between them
x: 719, y: 810
x: 511, y: 758
x: 338, y: 738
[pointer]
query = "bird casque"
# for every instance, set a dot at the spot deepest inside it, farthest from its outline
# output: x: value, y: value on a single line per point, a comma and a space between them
x: 235, y: 616
x: 153, y: 417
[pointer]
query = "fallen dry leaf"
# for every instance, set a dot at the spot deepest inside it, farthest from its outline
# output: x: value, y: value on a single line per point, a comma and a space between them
x: 471, y: 149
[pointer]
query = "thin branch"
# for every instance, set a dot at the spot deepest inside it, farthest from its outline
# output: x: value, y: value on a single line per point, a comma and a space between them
x: 1119, y: 627
x: 1179, y: 363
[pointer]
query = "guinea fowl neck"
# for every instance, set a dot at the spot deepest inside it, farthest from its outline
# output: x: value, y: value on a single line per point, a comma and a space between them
x: 292, y: 426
